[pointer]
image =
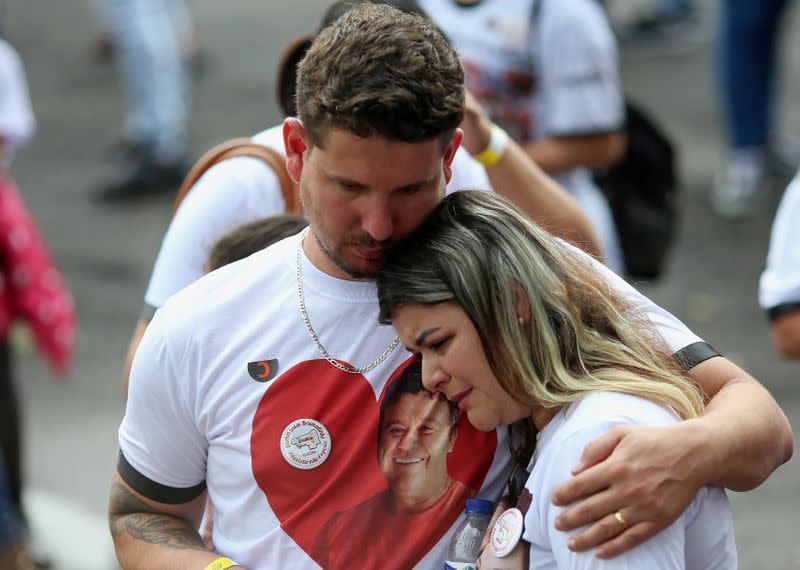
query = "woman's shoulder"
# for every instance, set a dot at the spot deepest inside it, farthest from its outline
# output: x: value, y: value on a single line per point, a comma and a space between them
x: 618, y: 408
x: 561, y: 442
x: 599, y: 412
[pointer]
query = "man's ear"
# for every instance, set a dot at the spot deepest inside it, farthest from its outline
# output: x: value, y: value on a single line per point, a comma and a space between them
x: 295, y: 145
x: 450, y: 154
x: 521, y: 302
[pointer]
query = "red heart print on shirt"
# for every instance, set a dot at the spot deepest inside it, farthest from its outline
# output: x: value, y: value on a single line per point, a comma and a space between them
x: 306, y: 499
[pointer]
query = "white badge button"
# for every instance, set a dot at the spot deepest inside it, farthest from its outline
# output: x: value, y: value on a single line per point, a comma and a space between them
x: 305, y: 444
x: 506, y: 532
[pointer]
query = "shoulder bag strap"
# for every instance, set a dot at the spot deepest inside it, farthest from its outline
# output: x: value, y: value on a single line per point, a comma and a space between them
x: 244, y: 147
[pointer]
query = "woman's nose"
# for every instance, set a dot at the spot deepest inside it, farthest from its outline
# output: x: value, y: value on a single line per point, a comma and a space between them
x: 434, y: 377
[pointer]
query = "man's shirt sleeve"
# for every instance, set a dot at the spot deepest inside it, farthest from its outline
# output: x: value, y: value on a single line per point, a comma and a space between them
x: 679, y: 339
x: 162, y: 449
x: 779, y: 287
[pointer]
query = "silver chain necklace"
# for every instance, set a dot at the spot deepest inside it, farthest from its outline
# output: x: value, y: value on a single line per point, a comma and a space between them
x: 313, y: 335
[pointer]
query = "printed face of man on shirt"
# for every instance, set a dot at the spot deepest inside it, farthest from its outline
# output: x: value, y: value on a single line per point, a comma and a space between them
x: 416, y: 435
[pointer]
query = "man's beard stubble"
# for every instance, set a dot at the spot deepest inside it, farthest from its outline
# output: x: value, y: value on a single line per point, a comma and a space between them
x: 354, y: 273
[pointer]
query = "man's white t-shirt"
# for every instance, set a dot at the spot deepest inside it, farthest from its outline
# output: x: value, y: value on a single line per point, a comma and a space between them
x: 779, y: 288
x: 233, y: 193
x: 228, y: 389
x: 701, y: 539
x: 543, y: 68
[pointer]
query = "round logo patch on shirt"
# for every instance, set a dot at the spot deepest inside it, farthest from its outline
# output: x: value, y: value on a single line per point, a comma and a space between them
x: 305, y: 444
x: 506, y: 532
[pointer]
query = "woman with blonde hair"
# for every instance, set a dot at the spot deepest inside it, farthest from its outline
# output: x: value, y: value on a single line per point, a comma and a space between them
x: 519, y: 328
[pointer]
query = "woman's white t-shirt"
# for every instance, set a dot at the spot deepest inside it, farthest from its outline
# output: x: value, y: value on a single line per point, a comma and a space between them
x: 701, y: 538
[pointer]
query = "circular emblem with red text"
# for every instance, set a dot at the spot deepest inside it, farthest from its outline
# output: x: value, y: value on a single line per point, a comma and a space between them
x: 305, y: 444
x: 506, y: 532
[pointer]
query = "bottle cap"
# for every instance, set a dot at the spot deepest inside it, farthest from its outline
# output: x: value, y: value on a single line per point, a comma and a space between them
x: 479, y: 507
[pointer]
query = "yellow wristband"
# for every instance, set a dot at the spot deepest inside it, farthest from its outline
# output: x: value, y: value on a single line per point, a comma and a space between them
x: 491, y: 155
x: 220, y: 564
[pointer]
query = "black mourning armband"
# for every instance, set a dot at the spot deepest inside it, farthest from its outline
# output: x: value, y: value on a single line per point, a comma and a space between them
x: 783, y: 309
x: 692, y: 355
x: 156, y: 491
x: 148, y: 312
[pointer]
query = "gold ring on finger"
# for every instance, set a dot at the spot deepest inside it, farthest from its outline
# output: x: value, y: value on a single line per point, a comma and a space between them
x: 621, y: 520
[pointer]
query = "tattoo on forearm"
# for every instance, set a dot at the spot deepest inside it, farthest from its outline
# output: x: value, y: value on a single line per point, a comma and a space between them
x: 136, y: 518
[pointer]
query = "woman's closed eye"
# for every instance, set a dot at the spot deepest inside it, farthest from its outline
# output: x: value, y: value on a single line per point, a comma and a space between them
x: 438, y: 345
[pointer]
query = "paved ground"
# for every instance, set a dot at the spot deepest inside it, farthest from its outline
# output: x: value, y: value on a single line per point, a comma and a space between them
x: 107, y: 253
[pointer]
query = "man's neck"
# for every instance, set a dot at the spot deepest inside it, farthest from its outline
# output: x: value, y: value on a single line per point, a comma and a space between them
x: 415, y: 503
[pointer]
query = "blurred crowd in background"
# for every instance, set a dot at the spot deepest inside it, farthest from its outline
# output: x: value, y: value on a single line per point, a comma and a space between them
x: 613, y: 157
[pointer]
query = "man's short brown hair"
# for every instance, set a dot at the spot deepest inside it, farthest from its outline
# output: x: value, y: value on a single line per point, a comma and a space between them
x: 379, y: 71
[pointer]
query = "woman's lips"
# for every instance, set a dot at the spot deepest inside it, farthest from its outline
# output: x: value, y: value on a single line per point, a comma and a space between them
x: 460, y: 400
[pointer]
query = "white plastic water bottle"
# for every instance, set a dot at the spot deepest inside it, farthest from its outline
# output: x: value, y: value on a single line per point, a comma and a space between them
x: 465, y: 546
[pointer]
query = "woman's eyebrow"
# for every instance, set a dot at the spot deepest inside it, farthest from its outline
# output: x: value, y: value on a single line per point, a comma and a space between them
x: 425, y: 334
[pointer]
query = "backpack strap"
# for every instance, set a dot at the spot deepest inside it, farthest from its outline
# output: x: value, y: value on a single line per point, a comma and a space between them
x: 244, y: 147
